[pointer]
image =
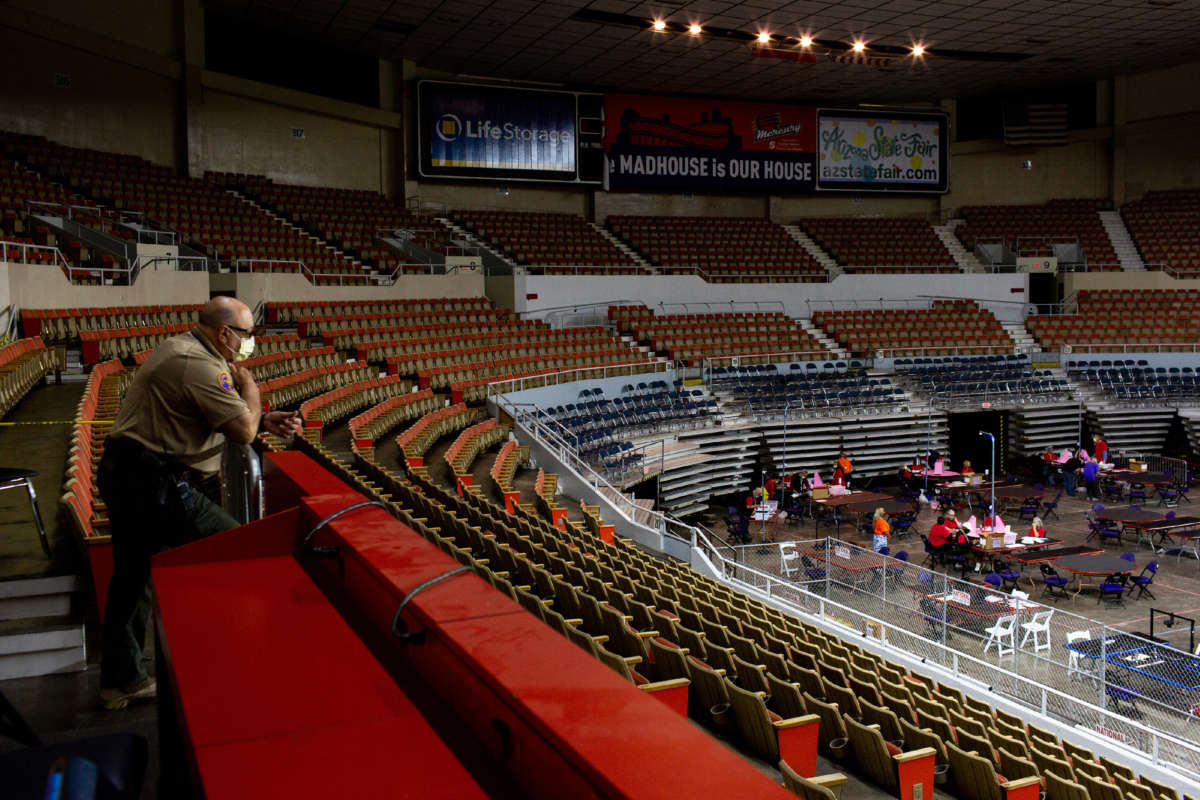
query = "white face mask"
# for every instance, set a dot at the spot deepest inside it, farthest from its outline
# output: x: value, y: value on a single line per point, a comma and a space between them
x: 245, y: 349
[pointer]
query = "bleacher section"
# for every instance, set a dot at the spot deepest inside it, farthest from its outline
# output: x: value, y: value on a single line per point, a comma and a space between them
x: 1032, y: 230
x: 1133, y: 382
x: 719, y: 249
x: 545, y: 239
x: 1165, y: 226
x: 806, y: 390
x: 1010, y: 378
x: 285, y: 312
x: 229, y: 230
x: 880, y: 244
x: 349, y: 219
x: 1107, y: 320
x: 956, y: 326
x: 64, y: 325
x: 693, y: 337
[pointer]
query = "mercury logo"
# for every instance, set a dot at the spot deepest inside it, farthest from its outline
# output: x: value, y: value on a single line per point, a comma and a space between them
x: 448, y: 127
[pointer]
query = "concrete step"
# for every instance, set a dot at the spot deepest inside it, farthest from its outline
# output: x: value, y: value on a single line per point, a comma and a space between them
x: 41, y: 646
x: 459, y: 232
x: 620, y: 245
x: 814, y: 250
x: 26, y: 598
x: 965, y: 259
x: 1122, y: 242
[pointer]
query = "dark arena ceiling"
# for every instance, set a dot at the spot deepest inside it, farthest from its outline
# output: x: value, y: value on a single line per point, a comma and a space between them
x: 974, y: 47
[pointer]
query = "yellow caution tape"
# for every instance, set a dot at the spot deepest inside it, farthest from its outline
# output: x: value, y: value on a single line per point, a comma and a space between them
x: 61, y: 422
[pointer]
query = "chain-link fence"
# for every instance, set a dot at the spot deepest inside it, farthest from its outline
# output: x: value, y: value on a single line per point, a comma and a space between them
x: 1069, y: 667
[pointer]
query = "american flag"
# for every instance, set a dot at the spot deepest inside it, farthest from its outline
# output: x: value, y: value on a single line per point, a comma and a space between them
x: 1035, y: 123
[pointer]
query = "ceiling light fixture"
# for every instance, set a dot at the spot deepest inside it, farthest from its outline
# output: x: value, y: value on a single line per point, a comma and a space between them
x: 859, y: 46
x: 806, y: 41
x: 659, y: 25
x: 764, y: 37
x: 918, y: 50
x: 694, y: 29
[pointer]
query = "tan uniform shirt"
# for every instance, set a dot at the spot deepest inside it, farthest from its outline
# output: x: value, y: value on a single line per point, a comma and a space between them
x: 178, y: 401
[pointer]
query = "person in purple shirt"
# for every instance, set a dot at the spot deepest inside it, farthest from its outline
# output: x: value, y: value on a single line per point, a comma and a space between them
x: 1090, y: 469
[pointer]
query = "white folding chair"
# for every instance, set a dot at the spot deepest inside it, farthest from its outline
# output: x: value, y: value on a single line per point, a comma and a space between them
x: 1079, y: 666
x: 1005, y: 630
x: 789, y: 559
x: 1038, y: 629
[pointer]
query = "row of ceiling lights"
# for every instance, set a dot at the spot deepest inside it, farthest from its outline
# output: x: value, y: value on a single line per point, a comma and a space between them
x: 764, y: 37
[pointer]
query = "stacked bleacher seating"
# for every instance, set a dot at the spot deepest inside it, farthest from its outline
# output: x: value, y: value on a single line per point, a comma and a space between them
x: 598, y: 428
x: 766, y: 390
x: 1011, y: 376
x: 958, y: 326
x: 881, y: 244
x: 720, y: 249
x: 205, y: 215
x: 349, y: 219
x: 23, y: 364
x: 692, y: 337
x: 1031, y: 230
x: 344, y: 400
x: 1136, y: 382
x: 1165, y: 226
x: 546, y: 239
x: 372, y: 424
x: 1158, y: 319
x: 100, y: 401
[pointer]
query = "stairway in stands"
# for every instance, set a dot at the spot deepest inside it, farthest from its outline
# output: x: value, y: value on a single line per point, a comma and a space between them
x: 814, y: 250
x: 462, y: 235
x: 620, y: 245
x: 1023, y: 339
x: 1033, y: 429
x: 965, y: 259
x: 1118, y: 234
x: 826, y: 342
x: 1126, y: 428
x: 39, y: 634
x: 1191, y: 424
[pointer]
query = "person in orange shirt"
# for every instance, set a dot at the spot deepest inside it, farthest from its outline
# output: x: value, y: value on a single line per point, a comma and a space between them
x: 882, y: 529
x: 844, y: 462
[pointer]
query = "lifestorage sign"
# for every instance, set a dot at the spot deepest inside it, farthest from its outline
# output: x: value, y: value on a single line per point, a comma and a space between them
x: 670, y: 143
x: 863, y: 151
x: 477, y: 131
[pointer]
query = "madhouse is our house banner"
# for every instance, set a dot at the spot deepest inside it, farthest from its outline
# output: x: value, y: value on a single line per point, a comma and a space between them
x: 863, y: 151
x: 672, y: 143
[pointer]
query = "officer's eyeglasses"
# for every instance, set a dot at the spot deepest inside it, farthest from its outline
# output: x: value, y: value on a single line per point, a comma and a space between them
x: 243, y: 331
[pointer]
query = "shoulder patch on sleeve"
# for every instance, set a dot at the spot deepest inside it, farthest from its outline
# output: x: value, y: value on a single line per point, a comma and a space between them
x: 225, y: 381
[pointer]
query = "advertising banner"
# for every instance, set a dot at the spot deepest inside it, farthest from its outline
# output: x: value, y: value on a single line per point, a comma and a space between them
x: 476, y: 131
x: 866, y: 152
x: 718, y: 145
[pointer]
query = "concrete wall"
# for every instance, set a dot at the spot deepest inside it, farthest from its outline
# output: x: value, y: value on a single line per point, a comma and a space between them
x: 840, y: 204
x: 987, y: 173
x: 147, y: 24
x: 678, y: 204
x: 795, y: 299
x: 252, y: 135
x: 37, y: 286
x: 252, y: 289
x: 505, y: 196
x: 115, y: 101
x: 1074, y: 281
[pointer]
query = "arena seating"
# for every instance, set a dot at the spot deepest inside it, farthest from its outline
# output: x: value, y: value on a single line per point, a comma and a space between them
x: 369, y: 426
x: 64, y: 325
x: 1161, y: 319
x: 205, y: 215
x: 1030, y: 230
x: 1136, y: 382
x: 720, y: 249
x: 959, y: 326
x: 1165, y: 226
x: 346, y: 399
x: 511, y: 455
x: 599, y: 428
x: 884, y: 244
x: 469, y: 444
x: 287, y: 312
x: 318, y: 325
x: 348, y: 219
x: 101, y: 345
x: 693, y: 337
x: 273, y: 365
x: 415, y: 442
x: 548, y: 344
x: 1008, y: 375
x: 366, y: 342
x: 765, y: 390
x: 546, y: 239
x: 299, y: 386
x: 23, y: 364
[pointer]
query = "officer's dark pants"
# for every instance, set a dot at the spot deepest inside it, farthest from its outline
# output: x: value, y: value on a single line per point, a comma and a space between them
x: 144, y: 521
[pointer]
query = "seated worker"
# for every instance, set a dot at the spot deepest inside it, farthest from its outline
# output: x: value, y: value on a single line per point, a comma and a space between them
x: 939, y: 535
x: 951, y: 520
x: 1037, y: 528
x: 966, y: 468
x: 840, y: 478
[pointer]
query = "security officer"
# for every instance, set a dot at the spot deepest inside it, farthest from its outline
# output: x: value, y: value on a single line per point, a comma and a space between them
x: 163, y: 453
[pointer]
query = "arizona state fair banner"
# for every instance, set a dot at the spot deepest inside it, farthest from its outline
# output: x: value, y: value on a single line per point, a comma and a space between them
x: 672, y: 143
x: 477, y: 131
x: 870, y: 152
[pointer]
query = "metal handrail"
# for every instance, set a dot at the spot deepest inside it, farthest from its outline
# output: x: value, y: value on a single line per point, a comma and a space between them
x: 59, y: 259
x: 764, y: 582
